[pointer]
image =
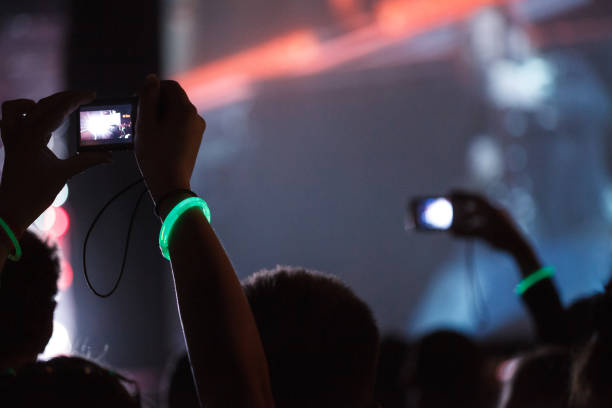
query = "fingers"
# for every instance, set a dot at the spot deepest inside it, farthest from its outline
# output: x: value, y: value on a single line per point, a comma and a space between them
x: 50, y: 112
x: 471, y: 213
x: 148, y: 103
x: 13, y: 112
x: 174, y: 101
x: 464, y: 196
x: 177, y: 101
x: 471, y: 203
x: 202, y: 123
x: 14, y: 108
x: 83, y: 161
x: 175, y: 98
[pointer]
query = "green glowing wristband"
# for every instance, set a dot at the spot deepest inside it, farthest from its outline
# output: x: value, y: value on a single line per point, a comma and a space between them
x: 541, y: 274
x: 174, y: 215
x: 13, y: 239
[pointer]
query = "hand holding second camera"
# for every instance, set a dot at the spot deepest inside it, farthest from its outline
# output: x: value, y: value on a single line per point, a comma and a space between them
x: 477, y: 217
x: 471, y: 215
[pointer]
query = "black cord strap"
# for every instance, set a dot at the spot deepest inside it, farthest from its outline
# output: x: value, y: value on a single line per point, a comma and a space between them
x: 127, y: 242
x: 169, y: 195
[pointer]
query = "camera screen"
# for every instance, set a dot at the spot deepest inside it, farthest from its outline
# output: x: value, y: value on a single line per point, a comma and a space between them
x: 106, y: 125
x: 435, y: 213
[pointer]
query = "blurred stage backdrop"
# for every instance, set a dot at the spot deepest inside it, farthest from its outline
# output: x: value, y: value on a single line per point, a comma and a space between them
x: 324, y: 118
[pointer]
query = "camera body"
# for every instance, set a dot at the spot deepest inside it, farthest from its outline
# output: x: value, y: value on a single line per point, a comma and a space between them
x: 433, y: 213
x: 107, y: 124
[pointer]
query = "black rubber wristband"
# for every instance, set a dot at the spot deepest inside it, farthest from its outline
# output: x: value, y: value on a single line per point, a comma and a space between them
x: 169, y: 195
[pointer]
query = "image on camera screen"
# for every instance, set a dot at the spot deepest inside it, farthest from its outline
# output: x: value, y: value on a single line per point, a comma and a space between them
x: 101, y: 125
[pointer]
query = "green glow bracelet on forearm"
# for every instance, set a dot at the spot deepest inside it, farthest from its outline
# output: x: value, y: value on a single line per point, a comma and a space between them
x: 541, y: 274
x: 174, y: 215
x: 13, y: 238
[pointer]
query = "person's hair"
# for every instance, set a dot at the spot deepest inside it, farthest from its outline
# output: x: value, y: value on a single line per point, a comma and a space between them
x: 182, y: 391
x: 592, y: 371
x: 581, y: 317
x: 393, y: 374
x: 27, y: 299
x: 320, y: 339
x: 448, y: 370
x: 67, y: 382
x: 591, y: 375
x: 541, y: 379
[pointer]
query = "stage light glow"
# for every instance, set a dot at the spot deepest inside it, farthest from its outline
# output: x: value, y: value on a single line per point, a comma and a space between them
x: 61, y: 224
x: 61, y: 198
x: 344, y: 7
x: 438, y: 214
x: 59, y: 344
x: 516, y: 158
x: 606, y: 202
x: 66, y: 275
x: 525, y: 84
x: 46, y: 220
x: 485, y: 158
x: 232, y: 79
x: 401, y: 17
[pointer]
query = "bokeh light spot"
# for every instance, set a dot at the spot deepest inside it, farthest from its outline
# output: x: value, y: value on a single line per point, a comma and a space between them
x: 66, y: 275
x: 61, y: 224
x: 46, y: 220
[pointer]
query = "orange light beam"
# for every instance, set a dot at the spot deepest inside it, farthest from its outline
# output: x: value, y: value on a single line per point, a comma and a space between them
x: 232, y: 79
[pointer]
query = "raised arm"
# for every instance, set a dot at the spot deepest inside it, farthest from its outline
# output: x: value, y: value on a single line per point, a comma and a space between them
x: 476, y: 217
x: 225, y: 350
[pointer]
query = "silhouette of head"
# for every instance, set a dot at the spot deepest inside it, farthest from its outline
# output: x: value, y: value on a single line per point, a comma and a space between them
x: 27, y: 292
x: 592, y: 375
x: 448, y: 370
x: 541, y: 380
x: 392, y: 374
x: 320, y: 340
x: 182, y: 391
x: 67, y: 382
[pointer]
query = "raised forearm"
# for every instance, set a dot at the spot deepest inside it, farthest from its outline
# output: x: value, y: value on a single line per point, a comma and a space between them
x: 223, y: 341
x: 525, y: 257
x: 542, y: 299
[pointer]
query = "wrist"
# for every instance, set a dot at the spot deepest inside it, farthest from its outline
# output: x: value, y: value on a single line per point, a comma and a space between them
x: 534, y: 278
x: 15, y: 221
x: 191, y: 205
x: 17, y: 210
x: 10, y: 234
x: 526, y: 258
x: 160, y: 188
x: 169, y: 202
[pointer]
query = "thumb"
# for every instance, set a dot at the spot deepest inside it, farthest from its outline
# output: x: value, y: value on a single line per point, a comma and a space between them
x: 83, y: 161
x: 149, y: 100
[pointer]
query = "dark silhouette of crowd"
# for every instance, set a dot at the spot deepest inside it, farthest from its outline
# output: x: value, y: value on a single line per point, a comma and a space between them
x: 286, y: 337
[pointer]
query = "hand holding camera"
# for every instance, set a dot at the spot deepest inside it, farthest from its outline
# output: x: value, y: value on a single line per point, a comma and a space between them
x: 162, y: 126
x: 169, y: 135
x: 33, y: 175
